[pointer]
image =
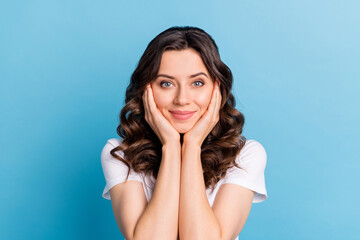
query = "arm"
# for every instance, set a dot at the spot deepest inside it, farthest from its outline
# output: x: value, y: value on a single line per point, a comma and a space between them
x: 196, y: 218
x: 157, y: 219
x: 160, y: 218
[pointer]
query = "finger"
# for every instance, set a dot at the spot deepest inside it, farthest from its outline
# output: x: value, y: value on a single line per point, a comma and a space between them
x: 218, y: 104
x: 212, y: 104
x: 214, y: 111
x: 152, y: 104
x: 146, y: 103
x: 219, y: 97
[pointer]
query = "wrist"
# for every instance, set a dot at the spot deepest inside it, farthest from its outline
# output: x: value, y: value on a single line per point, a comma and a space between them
x: 189, y: 141
x: 173, y: 145
x: 190, y: 146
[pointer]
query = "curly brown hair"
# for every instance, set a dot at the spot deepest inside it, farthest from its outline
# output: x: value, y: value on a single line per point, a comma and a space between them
x: 141, y: 147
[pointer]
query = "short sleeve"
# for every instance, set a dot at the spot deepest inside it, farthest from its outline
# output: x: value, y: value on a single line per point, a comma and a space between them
x: 115, y: 171
x: 252, y: 159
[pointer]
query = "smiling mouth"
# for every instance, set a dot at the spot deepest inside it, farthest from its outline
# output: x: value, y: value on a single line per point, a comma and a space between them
x: 182, y: 115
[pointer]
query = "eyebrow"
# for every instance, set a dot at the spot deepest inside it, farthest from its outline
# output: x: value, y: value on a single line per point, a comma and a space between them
x: 191, y: 76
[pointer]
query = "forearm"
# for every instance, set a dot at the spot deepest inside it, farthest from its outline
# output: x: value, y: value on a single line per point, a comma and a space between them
x: 160, y: 218
x: 196, y: 217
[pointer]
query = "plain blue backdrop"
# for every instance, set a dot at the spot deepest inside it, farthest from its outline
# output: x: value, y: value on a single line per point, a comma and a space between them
x: 64, y: 67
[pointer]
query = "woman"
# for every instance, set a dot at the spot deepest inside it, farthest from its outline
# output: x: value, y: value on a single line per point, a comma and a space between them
x: 182, y: 169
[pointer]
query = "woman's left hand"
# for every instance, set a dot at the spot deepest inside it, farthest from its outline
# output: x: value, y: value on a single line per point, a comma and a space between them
x: 198, y: 133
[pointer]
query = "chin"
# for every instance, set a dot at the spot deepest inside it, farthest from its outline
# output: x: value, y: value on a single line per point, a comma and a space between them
x: 182, y: 127
x: 182, y: 131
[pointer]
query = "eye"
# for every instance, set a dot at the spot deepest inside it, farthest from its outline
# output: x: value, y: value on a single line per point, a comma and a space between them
x: 166, y: 84
x: 199, y: 83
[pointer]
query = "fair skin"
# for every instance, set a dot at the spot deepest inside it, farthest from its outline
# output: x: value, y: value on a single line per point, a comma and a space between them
x: 176, y: 89
x: 190, y: 215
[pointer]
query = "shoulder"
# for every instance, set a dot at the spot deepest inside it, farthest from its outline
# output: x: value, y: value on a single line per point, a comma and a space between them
x: 252, y: 147
x: 252, y: 152
x: 251, y: 174
x: 110, y: 145
x: 115, y: 170
x: 114, y: 142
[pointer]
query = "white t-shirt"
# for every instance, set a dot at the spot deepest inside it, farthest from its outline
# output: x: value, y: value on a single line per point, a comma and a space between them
x: 252, y: 158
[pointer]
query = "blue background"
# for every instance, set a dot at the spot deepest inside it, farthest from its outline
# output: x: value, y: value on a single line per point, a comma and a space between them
x: 64, y: 67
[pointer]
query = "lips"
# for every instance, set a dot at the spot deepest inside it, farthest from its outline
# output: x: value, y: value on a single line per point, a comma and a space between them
x: 182, y: 115
x: 182, y: 112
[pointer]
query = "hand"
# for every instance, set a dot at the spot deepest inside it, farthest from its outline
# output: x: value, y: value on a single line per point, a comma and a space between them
x: 198, y: 133
x: 159, y: 124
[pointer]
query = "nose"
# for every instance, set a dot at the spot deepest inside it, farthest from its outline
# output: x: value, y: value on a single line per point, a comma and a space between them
x: 182, y: 96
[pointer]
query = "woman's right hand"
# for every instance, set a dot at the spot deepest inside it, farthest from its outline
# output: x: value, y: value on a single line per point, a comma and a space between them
x: 159, y: 124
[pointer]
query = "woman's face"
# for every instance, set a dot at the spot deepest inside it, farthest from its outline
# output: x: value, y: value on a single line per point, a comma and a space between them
x: 182, y: 84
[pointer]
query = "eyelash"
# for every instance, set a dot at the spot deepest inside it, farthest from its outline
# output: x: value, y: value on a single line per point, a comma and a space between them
x: 161, y: 83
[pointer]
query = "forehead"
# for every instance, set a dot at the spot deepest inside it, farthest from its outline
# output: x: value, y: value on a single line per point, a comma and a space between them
x: 181, y: 62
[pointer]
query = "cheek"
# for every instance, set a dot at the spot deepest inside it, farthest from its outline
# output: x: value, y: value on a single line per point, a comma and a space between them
x: 160, y: 99
x: 203, y: 100
x: 157, y: 99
